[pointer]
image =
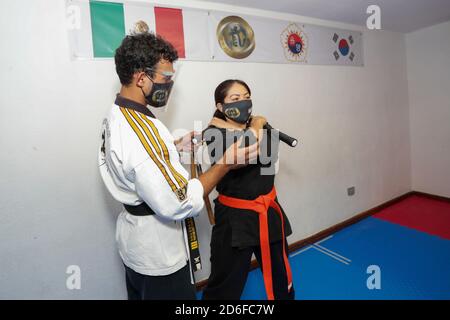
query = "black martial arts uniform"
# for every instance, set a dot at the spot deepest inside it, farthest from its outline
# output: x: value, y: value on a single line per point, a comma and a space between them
x: 236, y: 233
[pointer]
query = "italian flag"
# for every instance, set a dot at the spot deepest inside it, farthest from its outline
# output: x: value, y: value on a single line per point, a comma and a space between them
x: 104, y: 25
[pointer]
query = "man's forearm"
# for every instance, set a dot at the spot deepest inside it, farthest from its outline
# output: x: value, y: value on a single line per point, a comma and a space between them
x: 211, y: 178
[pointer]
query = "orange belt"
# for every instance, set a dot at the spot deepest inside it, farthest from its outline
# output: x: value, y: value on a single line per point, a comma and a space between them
x: 261, y: 205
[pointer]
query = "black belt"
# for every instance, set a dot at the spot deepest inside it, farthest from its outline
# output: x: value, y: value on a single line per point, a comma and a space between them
x: 144, y: 210
x: 140, y: 210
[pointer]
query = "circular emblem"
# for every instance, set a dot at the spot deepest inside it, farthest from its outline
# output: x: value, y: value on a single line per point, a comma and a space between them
x: 232, y: 113
x: 139, y: 27
x: 344, y: 48
x: 236, y: 37
x: 295, y: 43
x: 159, y: 96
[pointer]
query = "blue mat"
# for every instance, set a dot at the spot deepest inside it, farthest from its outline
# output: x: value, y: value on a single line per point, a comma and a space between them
x: 412, y: 265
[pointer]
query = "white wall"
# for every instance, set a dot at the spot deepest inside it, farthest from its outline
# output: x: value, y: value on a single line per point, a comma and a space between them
x: 353, y: 123
x: 428, y: 52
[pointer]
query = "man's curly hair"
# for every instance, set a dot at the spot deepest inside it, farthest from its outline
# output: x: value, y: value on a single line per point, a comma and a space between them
x: 141, y: 51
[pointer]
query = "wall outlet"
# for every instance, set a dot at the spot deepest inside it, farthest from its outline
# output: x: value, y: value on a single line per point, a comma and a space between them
x: 351, y: 191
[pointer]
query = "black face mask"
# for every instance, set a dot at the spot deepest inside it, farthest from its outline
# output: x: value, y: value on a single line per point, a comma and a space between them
x: 238, y: 111
x: 159, y: 94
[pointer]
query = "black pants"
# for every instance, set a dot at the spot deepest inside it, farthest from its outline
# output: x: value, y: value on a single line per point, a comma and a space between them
x: 230, y: 267
x: 175, y: 286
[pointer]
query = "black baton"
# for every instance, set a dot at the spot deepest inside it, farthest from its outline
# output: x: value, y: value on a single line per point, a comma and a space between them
x: 292, y: 142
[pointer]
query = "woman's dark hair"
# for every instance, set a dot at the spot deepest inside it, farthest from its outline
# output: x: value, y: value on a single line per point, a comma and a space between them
x: 222, y: 91
x: 141, y: 51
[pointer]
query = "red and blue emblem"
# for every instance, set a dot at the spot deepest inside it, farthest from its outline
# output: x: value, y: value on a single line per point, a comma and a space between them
x: 295, y: 43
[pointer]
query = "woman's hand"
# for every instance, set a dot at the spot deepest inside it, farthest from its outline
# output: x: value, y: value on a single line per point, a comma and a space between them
x: 256, y: 125
x: 258, y: 121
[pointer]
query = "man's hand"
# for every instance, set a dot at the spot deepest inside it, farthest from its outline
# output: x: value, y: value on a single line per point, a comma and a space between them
x: 238, y: 157
x: 184, y: 144
x: 234, y: 157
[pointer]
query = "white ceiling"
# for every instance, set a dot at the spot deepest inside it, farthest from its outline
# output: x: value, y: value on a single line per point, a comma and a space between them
x: 396, y: 15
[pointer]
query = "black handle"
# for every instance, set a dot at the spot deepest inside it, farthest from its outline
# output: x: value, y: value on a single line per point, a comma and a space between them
x: 292, y: 142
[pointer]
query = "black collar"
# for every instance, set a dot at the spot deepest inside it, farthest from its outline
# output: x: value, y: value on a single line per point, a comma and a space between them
x: 130, y: 104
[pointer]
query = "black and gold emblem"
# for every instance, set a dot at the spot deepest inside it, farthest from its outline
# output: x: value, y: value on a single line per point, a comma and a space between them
x: 236, y: 37
x: 181, y: 193
x: 159, y: 96
x: 232, y: 113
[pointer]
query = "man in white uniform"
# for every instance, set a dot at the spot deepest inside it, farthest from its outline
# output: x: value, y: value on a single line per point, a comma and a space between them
x: 140, y: 166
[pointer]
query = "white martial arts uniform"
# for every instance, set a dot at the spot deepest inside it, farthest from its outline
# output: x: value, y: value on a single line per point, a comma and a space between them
x: 139, y: 163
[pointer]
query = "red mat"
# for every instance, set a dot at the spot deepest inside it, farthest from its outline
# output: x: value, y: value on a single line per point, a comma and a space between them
x: 420, y: 213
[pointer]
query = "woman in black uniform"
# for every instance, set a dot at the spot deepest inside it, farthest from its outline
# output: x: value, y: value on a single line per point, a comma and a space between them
x: 248, y: 216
